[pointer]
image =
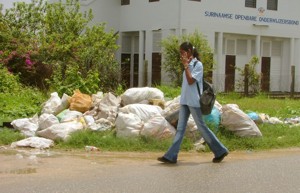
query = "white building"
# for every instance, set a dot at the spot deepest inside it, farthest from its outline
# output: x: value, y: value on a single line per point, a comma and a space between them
x: 235, y: 29
x: 9, y: 4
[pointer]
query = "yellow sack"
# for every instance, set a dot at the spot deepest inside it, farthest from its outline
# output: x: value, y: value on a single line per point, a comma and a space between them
x: 80, y: 102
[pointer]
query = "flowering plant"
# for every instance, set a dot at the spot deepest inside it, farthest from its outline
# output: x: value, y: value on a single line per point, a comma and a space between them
x: 44, y: 44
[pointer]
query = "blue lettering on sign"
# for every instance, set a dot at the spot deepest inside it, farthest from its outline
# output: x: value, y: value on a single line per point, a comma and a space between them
x: 280, y: 21
x: 220, y: 15
x: 250, y: 18
x: 246, y: 17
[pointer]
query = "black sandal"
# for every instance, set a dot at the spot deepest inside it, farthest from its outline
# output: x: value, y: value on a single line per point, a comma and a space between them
x: 165, y: 160
x: 219, y: 159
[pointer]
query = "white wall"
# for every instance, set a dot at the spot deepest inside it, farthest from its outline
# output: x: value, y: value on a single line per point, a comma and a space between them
x: 107, y: 11
x: 141, y: 14
x: 9, y: 3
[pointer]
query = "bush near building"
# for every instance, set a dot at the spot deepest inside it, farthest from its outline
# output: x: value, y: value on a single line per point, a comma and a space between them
x: 172, y: 64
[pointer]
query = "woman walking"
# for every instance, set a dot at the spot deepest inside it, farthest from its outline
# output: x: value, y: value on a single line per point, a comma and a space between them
x: 189, y: 104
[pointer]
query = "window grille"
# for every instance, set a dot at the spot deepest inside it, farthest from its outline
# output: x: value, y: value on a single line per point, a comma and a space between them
x: 241, y: 47
x: 157, y: 36
x: 266, y: 52
x: 230, y: 47
x: 125, y: 2
x: 276, y: 48
x: 272, y: 5
x: 250, y: 3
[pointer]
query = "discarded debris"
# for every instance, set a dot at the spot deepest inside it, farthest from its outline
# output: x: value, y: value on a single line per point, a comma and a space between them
x: 138, y: 111
x: 91, y: 148
x: 34, y: 142
x: 235, y: 120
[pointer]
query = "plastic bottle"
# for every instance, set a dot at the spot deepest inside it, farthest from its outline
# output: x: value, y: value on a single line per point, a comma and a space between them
x: 91, y: 148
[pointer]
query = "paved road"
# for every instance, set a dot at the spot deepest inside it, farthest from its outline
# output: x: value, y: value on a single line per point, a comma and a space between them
x: 34, y: 171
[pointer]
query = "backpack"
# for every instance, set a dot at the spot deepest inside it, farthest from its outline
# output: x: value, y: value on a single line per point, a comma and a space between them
x: 208, y: 97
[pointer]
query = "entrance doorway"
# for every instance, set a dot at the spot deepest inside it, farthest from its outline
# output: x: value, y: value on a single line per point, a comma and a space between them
x: 265, y: 73
x: 125, y: 68
x: 156, y: 68
x: 229, y: 73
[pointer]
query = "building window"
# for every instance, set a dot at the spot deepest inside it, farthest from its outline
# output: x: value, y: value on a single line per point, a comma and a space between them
x: 272, y: 5
x: 250, y: 3
x: 241, y: 47
x: 153, y: 0
x: 125, y: 2
x: 276, y: 48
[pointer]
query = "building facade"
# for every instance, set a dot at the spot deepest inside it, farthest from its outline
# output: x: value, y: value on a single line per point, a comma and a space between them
x: 237, y: 30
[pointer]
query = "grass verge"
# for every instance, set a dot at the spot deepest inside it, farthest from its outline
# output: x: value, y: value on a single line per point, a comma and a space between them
x: 107, y: 141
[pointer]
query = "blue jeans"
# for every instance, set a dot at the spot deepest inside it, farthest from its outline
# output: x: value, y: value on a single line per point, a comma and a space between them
x: 212, y: 141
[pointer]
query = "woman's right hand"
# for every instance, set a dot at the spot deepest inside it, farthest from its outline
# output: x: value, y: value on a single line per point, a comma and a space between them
x: 184, y: 59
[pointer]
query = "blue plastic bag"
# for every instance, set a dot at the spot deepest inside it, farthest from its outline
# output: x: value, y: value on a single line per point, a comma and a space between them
x: 213, y: 119
x: 254, y: 116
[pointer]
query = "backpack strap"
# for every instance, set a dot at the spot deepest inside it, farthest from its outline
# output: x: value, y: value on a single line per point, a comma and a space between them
x: 197, y: 81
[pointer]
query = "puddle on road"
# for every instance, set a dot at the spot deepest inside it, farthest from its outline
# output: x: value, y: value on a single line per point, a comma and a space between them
x: 31, y: 161
x: 20, y: 171
x: 27, y: 152
x: 22, y: 161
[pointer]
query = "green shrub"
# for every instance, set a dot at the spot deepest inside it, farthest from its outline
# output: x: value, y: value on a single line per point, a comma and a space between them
x: 7, y: 136
x: 172, y: 63
x: 73, y: 80
x: 8, y: 81
x: 22, y: 103
x: 252, y: 76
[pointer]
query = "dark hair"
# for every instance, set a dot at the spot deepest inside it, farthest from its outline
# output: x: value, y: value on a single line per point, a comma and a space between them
x: 187, y: 46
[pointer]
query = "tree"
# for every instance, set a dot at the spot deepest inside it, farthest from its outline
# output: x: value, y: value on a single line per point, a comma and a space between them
x: 51, y: 46
x: 172, y: 64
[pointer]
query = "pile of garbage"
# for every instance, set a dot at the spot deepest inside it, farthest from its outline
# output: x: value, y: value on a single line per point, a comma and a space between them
x: 139, y: 111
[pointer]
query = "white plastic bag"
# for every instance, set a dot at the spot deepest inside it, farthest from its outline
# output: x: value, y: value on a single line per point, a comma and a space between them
x: 34, y: 142
x: 238, y: 122
x: 68, y: 115
x: 107, y: 108
x: 64, y: 104
x: 171, y: 107
x: 101, y: 125
x: 158, y: 127
x: 61, y: 130
x: 52, y: 104
x: 128, y: 125
x: 27, y: 126
x: 139, y: 94
x: 143, y: 111
x: 46, y: 120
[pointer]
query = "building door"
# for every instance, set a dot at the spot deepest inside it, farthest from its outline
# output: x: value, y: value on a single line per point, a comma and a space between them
x: 265, y: 73
x: 229, y: 73
x: 136, y: 70
x: 125, y: 69
x: 156, y: 68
